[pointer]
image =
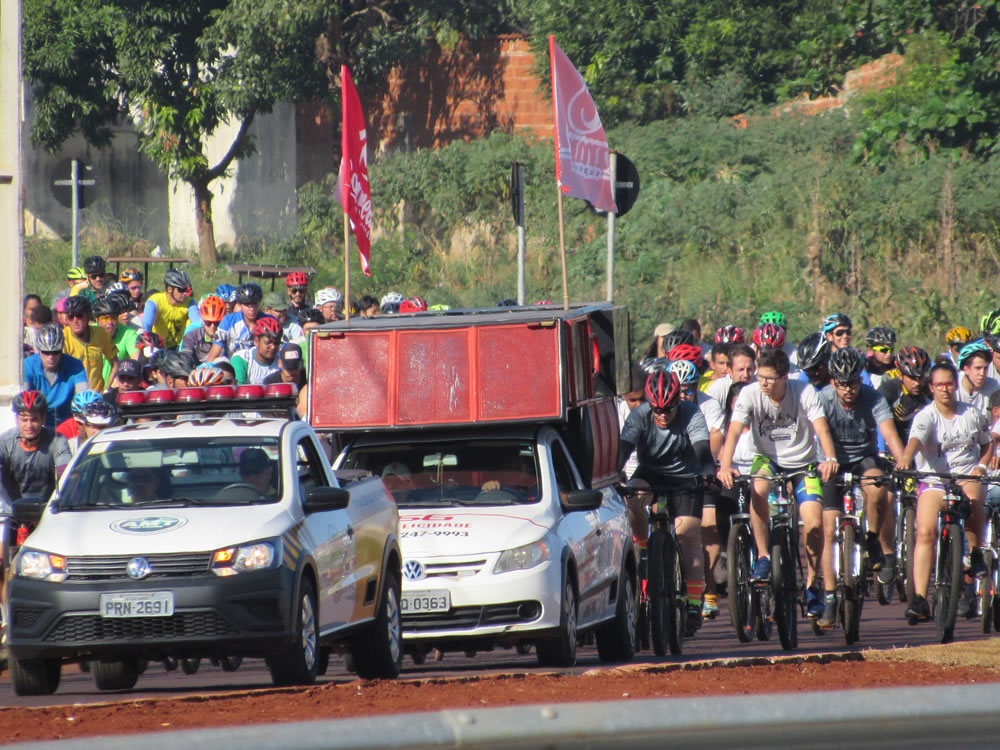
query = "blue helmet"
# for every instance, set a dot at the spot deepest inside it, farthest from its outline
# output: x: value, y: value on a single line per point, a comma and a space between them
x: 227, y: 292
x: 685, y: 371
x: 971, y: 349
x: 83, y: 399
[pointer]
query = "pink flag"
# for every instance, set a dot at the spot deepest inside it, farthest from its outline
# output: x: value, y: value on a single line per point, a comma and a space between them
x: 583, y: 163
x: 353, y: 191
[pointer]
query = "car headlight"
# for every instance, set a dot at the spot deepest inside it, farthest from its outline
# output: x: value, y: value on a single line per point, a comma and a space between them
x: 522, y: 558
x: 41, y: 566
x: 246, y: 558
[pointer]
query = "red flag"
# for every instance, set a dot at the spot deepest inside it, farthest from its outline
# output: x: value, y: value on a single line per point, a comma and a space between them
x: 583, y: 162
x: 353, y: 190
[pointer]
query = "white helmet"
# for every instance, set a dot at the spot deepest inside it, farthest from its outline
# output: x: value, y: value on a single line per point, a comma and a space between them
x: 328, y: 294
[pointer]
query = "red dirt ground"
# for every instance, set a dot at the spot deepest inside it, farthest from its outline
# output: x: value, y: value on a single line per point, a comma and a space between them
x: 361, y: 698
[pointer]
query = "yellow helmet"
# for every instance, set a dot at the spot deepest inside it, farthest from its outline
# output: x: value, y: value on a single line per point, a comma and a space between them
x: 958, y: 335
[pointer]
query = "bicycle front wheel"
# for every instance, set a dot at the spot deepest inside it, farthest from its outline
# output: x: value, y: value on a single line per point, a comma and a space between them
x: 849, y: 594
x: 948, y: 589
x: 987, y: 590
x: 741, y: 599
x: 657, y: 586
x: 907, y: 535
x: 785, y: 588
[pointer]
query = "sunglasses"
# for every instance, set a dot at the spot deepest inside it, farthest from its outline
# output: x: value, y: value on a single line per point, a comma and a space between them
x: 105, y: 318
x: 51, y: 354
x: 882, y: 349
x: 848, y: 385
x: 665, y: 412
x: 95, y: 275
x: 135, y: 287
x: 840, y: 332
x: 294, y: 289
x: 210, y: 323
x: 688, y: 391
x: 76, y: 316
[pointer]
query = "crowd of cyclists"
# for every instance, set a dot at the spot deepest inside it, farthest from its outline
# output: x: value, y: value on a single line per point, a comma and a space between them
x: 751, y: 403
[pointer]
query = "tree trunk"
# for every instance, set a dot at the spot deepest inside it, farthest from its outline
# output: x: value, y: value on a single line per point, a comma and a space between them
x: 203, y: 224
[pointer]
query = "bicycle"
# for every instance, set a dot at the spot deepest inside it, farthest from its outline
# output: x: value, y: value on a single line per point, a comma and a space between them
x: 750, y: 607
x: 949, y: 570
x: 906, y: 537
x: 988, y: 587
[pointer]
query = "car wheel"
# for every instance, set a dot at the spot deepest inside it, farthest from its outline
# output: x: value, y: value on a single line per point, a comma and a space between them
x: 616, y: 641
x: 298, y: 665
x: 560, y: 651
x: 378, y: 652
x: 35, y: 677
x: 190, y: 666
x: 121, y: 674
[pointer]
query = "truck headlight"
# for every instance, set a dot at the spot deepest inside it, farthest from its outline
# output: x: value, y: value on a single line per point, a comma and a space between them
x: 522, y: 558
x: 41, y: 566
x: 246, y: 558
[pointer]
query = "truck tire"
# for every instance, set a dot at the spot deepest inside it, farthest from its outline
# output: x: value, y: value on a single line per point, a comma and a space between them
x: 35, y: 677
x: 190, y: 666
x: 230, y: 663
x: 298, y: 664
x: 378, y: 652
x: 616, y: 641
x: 121, y: 674
x: 560, y: 651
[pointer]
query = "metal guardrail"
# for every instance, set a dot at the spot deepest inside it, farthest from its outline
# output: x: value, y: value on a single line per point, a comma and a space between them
x: 914, y: 718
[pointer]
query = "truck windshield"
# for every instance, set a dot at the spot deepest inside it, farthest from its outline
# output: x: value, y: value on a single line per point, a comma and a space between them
x: 192, y: 471
x: 461, y: 472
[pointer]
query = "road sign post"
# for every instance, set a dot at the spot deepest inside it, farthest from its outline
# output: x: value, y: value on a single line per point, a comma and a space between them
x: 75, y: 183
x: 625, y: 183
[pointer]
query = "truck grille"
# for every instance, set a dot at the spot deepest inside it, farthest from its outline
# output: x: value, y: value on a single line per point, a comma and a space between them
x: 461, y: 618
x: 94, y: 628
x: 112, y: 567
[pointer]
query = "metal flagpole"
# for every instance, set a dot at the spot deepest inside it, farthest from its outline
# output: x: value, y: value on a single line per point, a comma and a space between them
x: 611, y: 230
x: 562, y: 249
x: 519, y: 212
x: 347, y: 260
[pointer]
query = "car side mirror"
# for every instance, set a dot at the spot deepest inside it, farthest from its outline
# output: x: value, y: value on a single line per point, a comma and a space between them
x: 582, y: 500
x: 320, y: 499
x: 28, y: 510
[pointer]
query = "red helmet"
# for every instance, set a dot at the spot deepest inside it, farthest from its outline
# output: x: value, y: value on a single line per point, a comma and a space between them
x: 729, y: 335
x: 30, y: 402
x: 267, y: 327
x: 296, y: 278
x: 149, y: 339
x: 769, y: 336
x: 690, y: 352
x: 663, y: 389
x: 413, y: 304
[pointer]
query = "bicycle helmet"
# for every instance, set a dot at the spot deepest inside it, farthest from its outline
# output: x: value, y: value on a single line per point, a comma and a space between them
x: 775, y: 318
x: 249, y: 294
x: 78, y: 305
x: 958, y: 336
x: 131, y: 274
x: 212, y: 309
x: 327, y: 295
x: 880, y: 336
x: 507, y: 302
x: 729, y: 335
x: 226, y: 292
x: 813, y: 351
x: 94, y: 265
x: 175, y: 364
x: 206, y: 376
x: 296, y: 278
x: 178, y: 279
x: 663, y: 389
x: 687, y: 352
x: 769, y: 336
x: 104, y: 307
x: 49, y: 338
x: 971, y: 349
x: 846, y: 364
x: 990, y: 322
x: 82, y: 400
x: 830, y: 322
x: 439, y: 308
x: 100, y: 414
x: 311, y: 315
x: 654, y: 364
x: 76, y: 274
x: 267, y: 327
x: 677, y: 337
x: 913, y: 362
x: 30, y: 402
x: 413, y: 304
x: 149, y: 339
x: 685, y: 371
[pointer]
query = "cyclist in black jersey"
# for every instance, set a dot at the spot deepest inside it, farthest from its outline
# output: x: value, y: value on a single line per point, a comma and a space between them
x: 32, y: 456
x: 908, y: 393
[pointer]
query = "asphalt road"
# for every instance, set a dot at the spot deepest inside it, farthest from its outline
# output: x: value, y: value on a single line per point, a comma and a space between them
x: 881, y: 628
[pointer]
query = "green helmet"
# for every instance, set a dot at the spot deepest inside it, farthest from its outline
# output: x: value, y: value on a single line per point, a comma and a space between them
x: 989, y: 324
x: 774, y: 317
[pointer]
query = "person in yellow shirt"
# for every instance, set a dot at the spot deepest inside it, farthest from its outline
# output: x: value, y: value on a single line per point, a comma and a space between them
x: 169, y: 312
x: 89, y: 343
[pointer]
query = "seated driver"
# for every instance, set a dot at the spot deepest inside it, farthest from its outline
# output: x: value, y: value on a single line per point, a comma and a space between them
x: 256, y: 469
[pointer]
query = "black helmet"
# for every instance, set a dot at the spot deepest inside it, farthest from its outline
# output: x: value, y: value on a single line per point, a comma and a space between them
x: 880, y: 336
x: 676, y: 338
x: 650, y: 365
x: 107, y: 305
x: 49, y: 338
x: 100, y: 413
x: 813, y: 351
x: 846, y: 364
x: 913, y: 362
x: 119, y: 300
x: 177, y: 278
x: 30, y: 402
x: 310, y: 315
x: 176, y: 364
x: 78, y: 305
x: 836, y: 320
x: 94, y: 265
x: 249, y: 294
x: 507, y: 302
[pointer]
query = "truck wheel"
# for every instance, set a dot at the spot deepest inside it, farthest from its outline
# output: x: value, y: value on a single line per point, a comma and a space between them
x: 35, y: 677
x: 230, y: 663
x: 561, y: 650
x: 378, y: 652
x: 121, y: 674
x: 298, y: 665
x: 190, y: 666
x: 616, y: 641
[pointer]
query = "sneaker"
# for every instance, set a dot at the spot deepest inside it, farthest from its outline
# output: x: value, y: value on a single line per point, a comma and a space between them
x: 829, y: 617
x: 918, y: 610
x: 814, y: 603
x: 721, y: 571
x: 761, y: 571
x: 873, y: 550
x: 968, y: 607
x: 693, y: 623
x: 977, y: 567
x: 710, y: 608
x: 888, y: 573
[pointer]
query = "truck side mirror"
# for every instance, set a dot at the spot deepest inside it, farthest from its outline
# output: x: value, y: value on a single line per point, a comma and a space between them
x: 28, y: 510
x: 320, y: 499
x: 582, y: 500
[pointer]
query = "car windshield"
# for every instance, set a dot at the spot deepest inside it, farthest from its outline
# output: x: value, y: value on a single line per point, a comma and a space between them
x: 173, y: 472
x: 462, y: 472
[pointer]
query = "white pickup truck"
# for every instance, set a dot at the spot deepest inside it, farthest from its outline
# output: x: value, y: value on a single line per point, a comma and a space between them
x: 212, y: 536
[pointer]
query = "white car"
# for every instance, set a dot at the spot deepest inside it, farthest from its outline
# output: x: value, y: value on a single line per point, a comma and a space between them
x: 503, y: 544
x: 213, y: 537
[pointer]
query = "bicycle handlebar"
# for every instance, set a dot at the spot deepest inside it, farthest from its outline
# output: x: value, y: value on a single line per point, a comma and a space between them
x: 945, y: 475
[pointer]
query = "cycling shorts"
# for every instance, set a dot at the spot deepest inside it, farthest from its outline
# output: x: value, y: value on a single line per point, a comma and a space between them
x: 833, y: 494
x: 806, y: 483
x: 684, y: 498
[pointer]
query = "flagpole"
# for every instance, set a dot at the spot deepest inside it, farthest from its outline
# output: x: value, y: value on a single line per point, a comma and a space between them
x: 562, y: 249
x: 345, y: 192
x: 347, y: 264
